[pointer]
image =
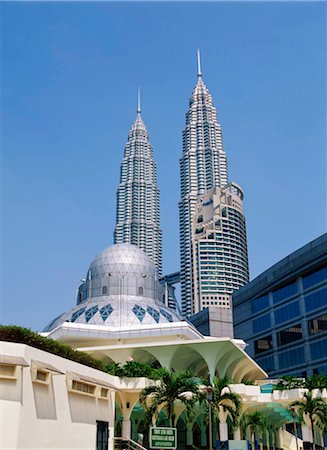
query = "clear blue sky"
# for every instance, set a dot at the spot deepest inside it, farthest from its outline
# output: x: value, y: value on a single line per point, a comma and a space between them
x: 69, y: 81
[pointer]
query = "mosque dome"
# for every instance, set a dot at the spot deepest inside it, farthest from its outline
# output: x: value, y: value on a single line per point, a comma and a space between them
x: 121, y: 289
x: 120, y: 259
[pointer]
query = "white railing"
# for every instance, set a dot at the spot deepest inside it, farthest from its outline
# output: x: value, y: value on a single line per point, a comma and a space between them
x: 121, y: 443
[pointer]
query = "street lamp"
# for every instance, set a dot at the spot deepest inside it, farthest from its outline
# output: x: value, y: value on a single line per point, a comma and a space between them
x: 209, y: 391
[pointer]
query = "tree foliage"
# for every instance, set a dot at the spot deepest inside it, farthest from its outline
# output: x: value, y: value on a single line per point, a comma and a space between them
x: 312, y: 408
x: 173, y: 387
x: 224, y: 399
x: 318, y: 381
x: 255, y: 424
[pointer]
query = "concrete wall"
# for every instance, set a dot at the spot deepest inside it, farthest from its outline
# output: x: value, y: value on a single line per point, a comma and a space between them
x: 47, y: 416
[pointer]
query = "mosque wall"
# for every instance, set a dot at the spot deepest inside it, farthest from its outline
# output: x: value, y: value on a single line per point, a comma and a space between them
x: 40, y: 409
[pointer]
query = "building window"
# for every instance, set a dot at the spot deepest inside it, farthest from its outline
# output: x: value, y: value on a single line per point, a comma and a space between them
x: 291, y: 358
x: 316, y: 300
x: 318, y: 324
x: 139, y: 312
x: 291, y: 334
x: 140, y: 290
x: 90, y: 313
x: 284, y: 292
x: 315, y: 278
x: 106, y: 311
x: 263, y: 344
x: 287, y: 312
x: 259, y: 304
x: 261, y: 323
x: 267, y: 363
x: 104, y: 290
x: 319, y: 349
x: 76, y: 314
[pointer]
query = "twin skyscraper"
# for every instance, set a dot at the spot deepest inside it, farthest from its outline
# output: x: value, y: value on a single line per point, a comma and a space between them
x: 213, y: 244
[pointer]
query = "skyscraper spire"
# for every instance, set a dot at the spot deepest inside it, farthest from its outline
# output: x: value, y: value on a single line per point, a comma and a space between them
x: 138, y: 214
x: 203, y: 166
x: 199, y: 63
x: 139, y: 100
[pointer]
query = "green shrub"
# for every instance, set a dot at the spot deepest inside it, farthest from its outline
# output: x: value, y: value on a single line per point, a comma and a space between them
x: 13, y: 333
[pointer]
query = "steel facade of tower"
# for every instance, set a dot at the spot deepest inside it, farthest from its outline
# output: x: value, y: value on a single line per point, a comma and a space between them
x: 203, y: 166
x: 138, y: 209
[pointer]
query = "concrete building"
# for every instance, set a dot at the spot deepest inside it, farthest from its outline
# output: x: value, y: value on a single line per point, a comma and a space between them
x: 282, y: 314
x: 213, y: 321
x: 203, y: 167
x: 220, y: 257
x: 49, y: 402
x: 138, y: 208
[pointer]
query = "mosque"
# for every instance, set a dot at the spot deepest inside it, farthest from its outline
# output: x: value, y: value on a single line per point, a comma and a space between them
x: 49, y: 402
x: 120, y: 314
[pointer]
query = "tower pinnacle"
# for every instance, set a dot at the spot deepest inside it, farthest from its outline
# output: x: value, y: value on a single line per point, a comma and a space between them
x: 138, y: 209
x: 139, y: 100
x: 199, y: 63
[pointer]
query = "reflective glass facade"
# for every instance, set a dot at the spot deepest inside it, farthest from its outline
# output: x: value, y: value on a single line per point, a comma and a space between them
x: 282, y: 314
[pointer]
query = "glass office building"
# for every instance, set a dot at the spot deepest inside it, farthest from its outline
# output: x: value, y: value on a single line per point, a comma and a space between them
x: 282, y: 314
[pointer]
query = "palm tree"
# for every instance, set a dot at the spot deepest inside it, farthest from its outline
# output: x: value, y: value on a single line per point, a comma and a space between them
x: 256, y: 424
x: 318, y: 381
x: 173, y: 387
x: 224, y: 400
x: 314, y: 408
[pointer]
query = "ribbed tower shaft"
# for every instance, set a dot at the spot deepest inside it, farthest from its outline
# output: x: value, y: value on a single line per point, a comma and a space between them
x: 138, y: 210
x: 203, y: 166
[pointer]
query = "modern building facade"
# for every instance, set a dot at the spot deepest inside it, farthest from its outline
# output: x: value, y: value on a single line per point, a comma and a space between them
x: 282, y: 314
x: 220, y: 257
x: 203, y: 167
x: 138, y: 208
x: 50, y: 401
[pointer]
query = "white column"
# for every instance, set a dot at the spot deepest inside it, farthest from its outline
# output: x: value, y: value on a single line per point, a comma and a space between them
x: 111, y: 427
x: 306, y: 433
x: 237, y: 434
x: 223, y: 431
x: 126, y: 431
x: 281, y: 438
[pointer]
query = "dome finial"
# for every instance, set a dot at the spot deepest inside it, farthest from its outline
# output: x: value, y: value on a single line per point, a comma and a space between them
x: 139, y: 100
x: 199, y: 64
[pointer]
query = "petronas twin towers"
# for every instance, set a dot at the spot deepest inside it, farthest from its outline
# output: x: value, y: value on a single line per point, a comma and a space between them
x: 138, y: 209
x: 203, y: 168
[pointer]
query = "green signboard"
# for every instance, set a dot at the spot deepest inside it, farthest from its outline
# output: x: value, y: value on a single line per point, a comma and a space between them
x: 162, y: 437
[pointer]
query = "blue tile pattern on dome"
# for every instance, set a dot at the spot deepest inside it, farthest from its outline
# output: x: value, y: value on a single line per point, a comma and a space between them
x: 76, y: 314
x: 90, y: 313
x: 106, y: 311
x: 168, y: 316
x: 53, y: 323
x: 139, y: 312
x: 153, y: 313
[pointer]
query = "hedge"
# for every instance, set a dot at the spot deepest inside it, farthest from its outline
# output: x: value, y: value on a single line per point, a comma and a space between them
x: 13, y: 333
